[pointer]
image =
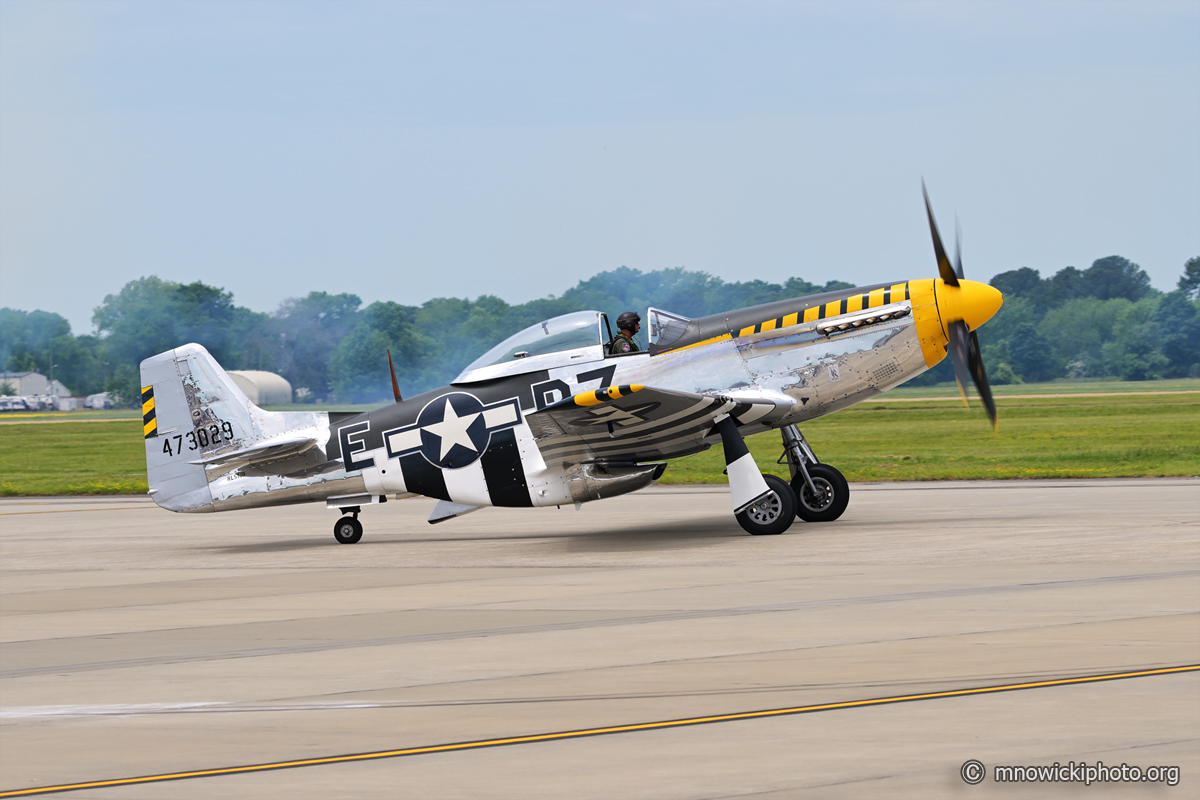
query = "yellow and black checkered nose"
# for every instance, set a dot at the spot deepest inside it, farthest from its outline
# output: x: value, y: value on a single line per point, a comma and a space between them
x: 149, y: 421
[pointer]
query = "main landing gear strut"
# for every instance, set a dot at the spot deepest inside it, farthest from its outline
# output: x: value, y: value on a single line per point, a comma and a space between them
x: 763, y: 504
x: 821, y: 491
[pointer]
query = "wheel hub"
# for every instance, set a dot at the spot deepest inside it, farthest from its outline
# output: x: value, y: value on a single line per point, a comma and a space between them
x: 822, y: 499
x: 766, y: 510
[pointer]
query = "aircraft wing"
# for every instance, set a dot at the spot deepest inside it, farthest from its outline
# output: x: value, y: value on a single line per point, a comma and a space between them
x: 633, y: 423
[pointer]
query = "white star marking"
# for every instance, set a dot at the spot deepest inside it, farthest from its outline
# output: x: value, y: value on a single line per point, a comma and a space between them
x: 453, y: 430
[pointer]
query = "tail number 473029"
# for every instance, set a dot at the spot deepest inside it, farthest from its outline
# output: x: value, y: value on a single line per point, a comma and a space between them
x: 202, y: 436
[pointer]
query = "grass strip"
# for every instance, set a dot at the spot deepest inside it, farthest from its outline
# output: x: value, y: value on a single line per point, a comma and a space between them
x: 1051, y: 387
x: 72, y: 458
x: 1051, y: 437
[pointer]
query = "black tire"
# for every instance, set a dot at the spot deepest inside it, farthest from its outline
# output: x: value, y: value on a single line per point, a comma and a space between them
x: 348, y: 530
x: 833, y: 497
x: 773, y: 514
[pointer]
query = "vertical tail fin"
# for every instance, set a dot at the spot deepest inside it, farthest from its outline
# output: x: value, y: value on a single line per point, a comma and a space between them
x: 191, y: 408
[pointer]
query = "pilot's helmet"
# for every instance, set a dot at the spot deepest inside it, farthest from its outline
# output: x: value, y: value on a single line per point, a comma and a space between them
x: 627, y: 320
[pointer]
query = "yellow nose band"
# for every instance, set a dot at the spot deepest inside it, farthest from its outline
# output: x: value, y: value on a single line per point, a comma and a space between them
x: 935, y: 304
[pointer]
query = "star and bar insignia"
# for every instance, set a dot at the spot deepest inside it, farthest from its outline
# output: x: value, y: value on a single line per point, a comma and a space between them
x: 453, y: 431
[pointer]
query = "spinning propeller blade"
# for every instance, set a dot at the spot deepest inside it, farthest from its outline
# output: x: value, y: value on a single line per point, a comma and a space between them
x: 957, y: 249
x: 945, y: 271
x: 961, y: 296
x: 979, y: 375
x: 960, y: 337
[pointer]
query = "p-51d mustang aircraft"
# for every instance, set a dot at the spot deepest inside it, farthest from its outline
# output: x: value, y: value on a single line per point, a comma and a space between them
x: 547, y: 418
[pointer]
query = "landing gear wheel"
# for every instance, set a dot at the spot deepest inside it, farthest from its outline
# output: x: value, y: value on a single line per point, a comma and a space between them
x: 348, y: 530
x: 774, y: 513
x: 833, y: 493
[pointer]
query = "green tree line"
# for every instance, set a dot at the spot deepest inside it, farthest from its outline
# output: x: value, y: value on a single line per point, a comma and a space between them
x: 1103, y: 321
x: 328, y: 346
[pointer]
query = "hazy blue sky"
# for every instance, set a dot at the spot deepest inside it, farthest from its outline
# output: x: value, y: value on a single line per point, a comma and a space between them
x: 404, y: 151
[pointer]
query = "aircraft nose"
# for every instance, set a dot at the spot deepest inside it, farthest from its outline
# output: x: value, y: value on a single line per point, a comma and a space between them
x: 972, y: 302
x: 980, y: 302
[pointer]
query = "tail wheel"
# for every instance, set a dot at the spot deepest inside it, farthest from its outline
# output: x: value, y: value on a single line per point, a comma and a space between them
x: 348, y: 530
x: 832, y: 495
x: 773, y: 513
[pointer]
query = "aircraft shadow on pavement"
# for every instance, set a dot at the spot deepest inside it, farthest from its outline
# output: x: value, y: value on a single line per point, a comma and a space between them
x: 695, y: 532
x: 674, y: 535
x: 277, y: 546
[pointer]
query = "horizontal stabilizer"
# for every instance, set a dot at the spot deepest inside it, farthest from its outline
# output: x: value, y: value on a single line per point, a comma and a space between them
x: 270, y: 450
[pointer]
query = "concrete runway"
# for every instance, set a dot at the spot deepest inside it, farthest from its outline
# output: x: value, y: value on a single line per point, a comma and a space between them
x: 137, y: 642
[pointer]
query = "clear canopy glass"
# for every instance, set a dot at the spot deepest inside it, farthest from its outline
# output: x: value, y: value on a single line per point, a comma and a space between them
x: 665, y: 327
x: 568, y: 332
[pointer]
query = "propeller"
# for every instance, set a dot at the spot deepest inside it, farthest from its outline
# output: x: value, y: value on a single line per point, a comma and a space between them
x: 964, y: 342
x: 949, y: 275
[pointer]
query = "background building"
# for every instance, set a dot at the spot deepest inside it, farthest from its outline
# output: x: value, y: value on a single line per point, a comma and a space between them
x: 263, y: 388
x: 31, y: 383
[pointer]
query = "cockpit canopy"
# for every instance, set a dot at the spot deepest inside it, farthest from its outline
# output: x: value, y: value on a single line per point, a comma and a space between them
x: 548, y: 344
x: 665, y: 327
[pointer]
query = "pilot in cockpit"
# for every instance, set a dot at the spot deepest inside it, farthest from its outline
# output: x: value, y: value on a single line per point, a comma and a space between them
x: 628, y: 324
